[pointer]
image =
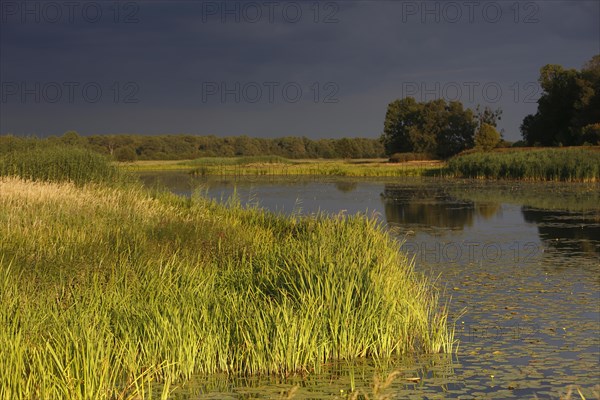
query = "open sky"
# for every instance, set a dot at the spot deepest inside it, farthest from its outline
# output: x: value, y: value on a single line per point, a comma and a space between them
x: 275, y: 68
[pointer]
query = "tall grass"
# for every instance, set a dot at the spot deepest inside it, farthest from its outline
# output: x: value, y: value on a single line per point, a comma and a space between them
x: 57, y: 163
x: 569, y: 164
x: 106, y: 291
x: 323, y: 168
x: 278, y: 166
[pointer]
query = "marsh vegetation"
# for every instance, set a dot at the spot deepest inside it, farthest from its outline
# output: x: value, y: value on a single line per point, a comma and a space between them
x: 567, y: 164
x: 110, y: 290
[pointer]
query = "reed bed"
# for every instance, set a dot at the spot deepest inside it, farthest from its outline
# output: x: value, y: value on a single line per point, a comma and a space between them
x: 322, y: 169
x: 55, y: 163
x: 568, y: 164
x: 278, y: 166
x: 113, y: 292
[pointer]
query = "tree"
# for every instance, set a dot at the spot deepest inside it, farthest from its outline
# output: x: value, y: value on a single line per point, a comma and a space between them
x: 488, y: 116
x: 487, y: 137
x: 72, y: 138
x: 400, y: 117
x: 570, y: 102
x: 126, y: 154
x: 590, y: 134
x: 458, y: 130
x: 436, y: 128
x: 244, y: 146
x: 347, y: 148
x: 588, y: 105
x: 430, y: 123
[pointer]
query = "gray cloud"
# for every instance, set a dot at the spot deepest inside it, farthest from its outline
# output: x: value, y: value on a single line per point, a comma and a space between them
x: 372, y: 52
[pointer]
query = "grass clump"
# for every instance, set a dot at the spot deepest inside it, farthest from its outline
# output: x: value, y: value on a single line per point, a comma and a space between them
x: 105, y: 291
x: 568, y: 164
x: 56, y: 163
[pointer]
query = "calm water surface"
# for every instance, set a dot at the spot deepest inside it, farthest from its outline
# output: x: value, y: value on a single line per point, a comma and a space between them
x: 519, y: 264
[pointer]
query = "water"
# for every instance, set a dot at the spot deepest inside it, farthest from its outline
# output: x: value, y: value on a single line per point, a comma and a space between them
x: 519, y: 264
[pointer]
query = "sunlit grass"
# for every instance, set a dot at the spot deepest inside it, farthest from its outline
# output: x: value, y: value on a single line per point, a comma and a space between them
x: 278, y: 166
x: 107, y: 290
x: 548, y: 164
x: 57, y: 163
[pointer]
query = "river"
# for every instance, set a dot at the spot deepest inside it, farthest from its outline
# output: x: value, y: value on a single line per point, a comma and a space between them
x: 518, y: 264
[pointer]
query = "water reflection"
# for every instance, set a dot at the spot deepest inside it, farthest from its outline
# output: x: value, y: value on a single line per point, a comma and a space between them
x: 432, y: 207
x: 346, y: 187
x: 567, y: 232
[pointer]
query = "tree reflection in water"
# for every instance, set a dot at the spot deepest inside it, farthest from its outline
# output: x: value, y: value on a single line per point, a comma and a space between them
x: 565, y: 231
x: 433, y: 207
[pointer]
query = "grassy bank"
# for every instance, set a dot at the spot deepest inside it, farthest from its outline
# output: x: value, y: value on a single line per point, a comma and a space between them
x: 106, y: 289
x: 278, y: 166
x: 546, y: 164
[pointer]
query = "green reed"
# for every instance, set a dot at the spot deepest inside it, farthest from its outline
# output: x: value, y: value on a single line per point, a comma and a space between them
x: 107, y: 292
x: 55, y: 163
x: 568, y: 164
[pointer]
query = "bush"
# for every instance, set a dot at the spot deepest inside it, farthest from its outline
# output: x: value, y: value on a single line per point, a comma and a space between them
x: 125, y: 154
x: 404, y: 157
x: 487, y: 137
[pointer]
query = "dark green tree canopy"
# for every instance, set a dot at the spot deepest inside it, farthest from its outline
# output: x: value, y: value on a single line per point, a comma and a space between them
x: 570, y: 101
x: 437, y: 127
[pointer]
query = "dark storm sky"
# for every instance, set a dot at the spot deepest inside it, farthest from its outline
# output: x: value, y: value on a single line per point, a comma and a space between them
x: 275, y: 68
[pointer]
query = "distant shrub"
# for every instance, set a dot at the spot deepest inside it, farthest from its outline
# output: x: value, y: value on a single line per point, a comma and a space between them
x: 125, y: 154
x: 404, y: 157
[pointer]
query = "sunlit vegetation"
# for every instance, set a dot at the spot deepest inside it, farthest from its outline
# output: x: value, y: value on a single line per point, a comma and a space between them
x: 281, y: 167
x: 433, y: 127
x: 323, y: 168
x: 56, y: 163
x: 110, y: 292
x: 566, y: 164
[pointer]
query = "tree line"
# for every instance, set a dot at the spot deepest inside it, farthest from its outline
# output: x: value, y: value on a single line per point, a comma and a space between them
x: 182, y: 147
x: 568, y: 114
